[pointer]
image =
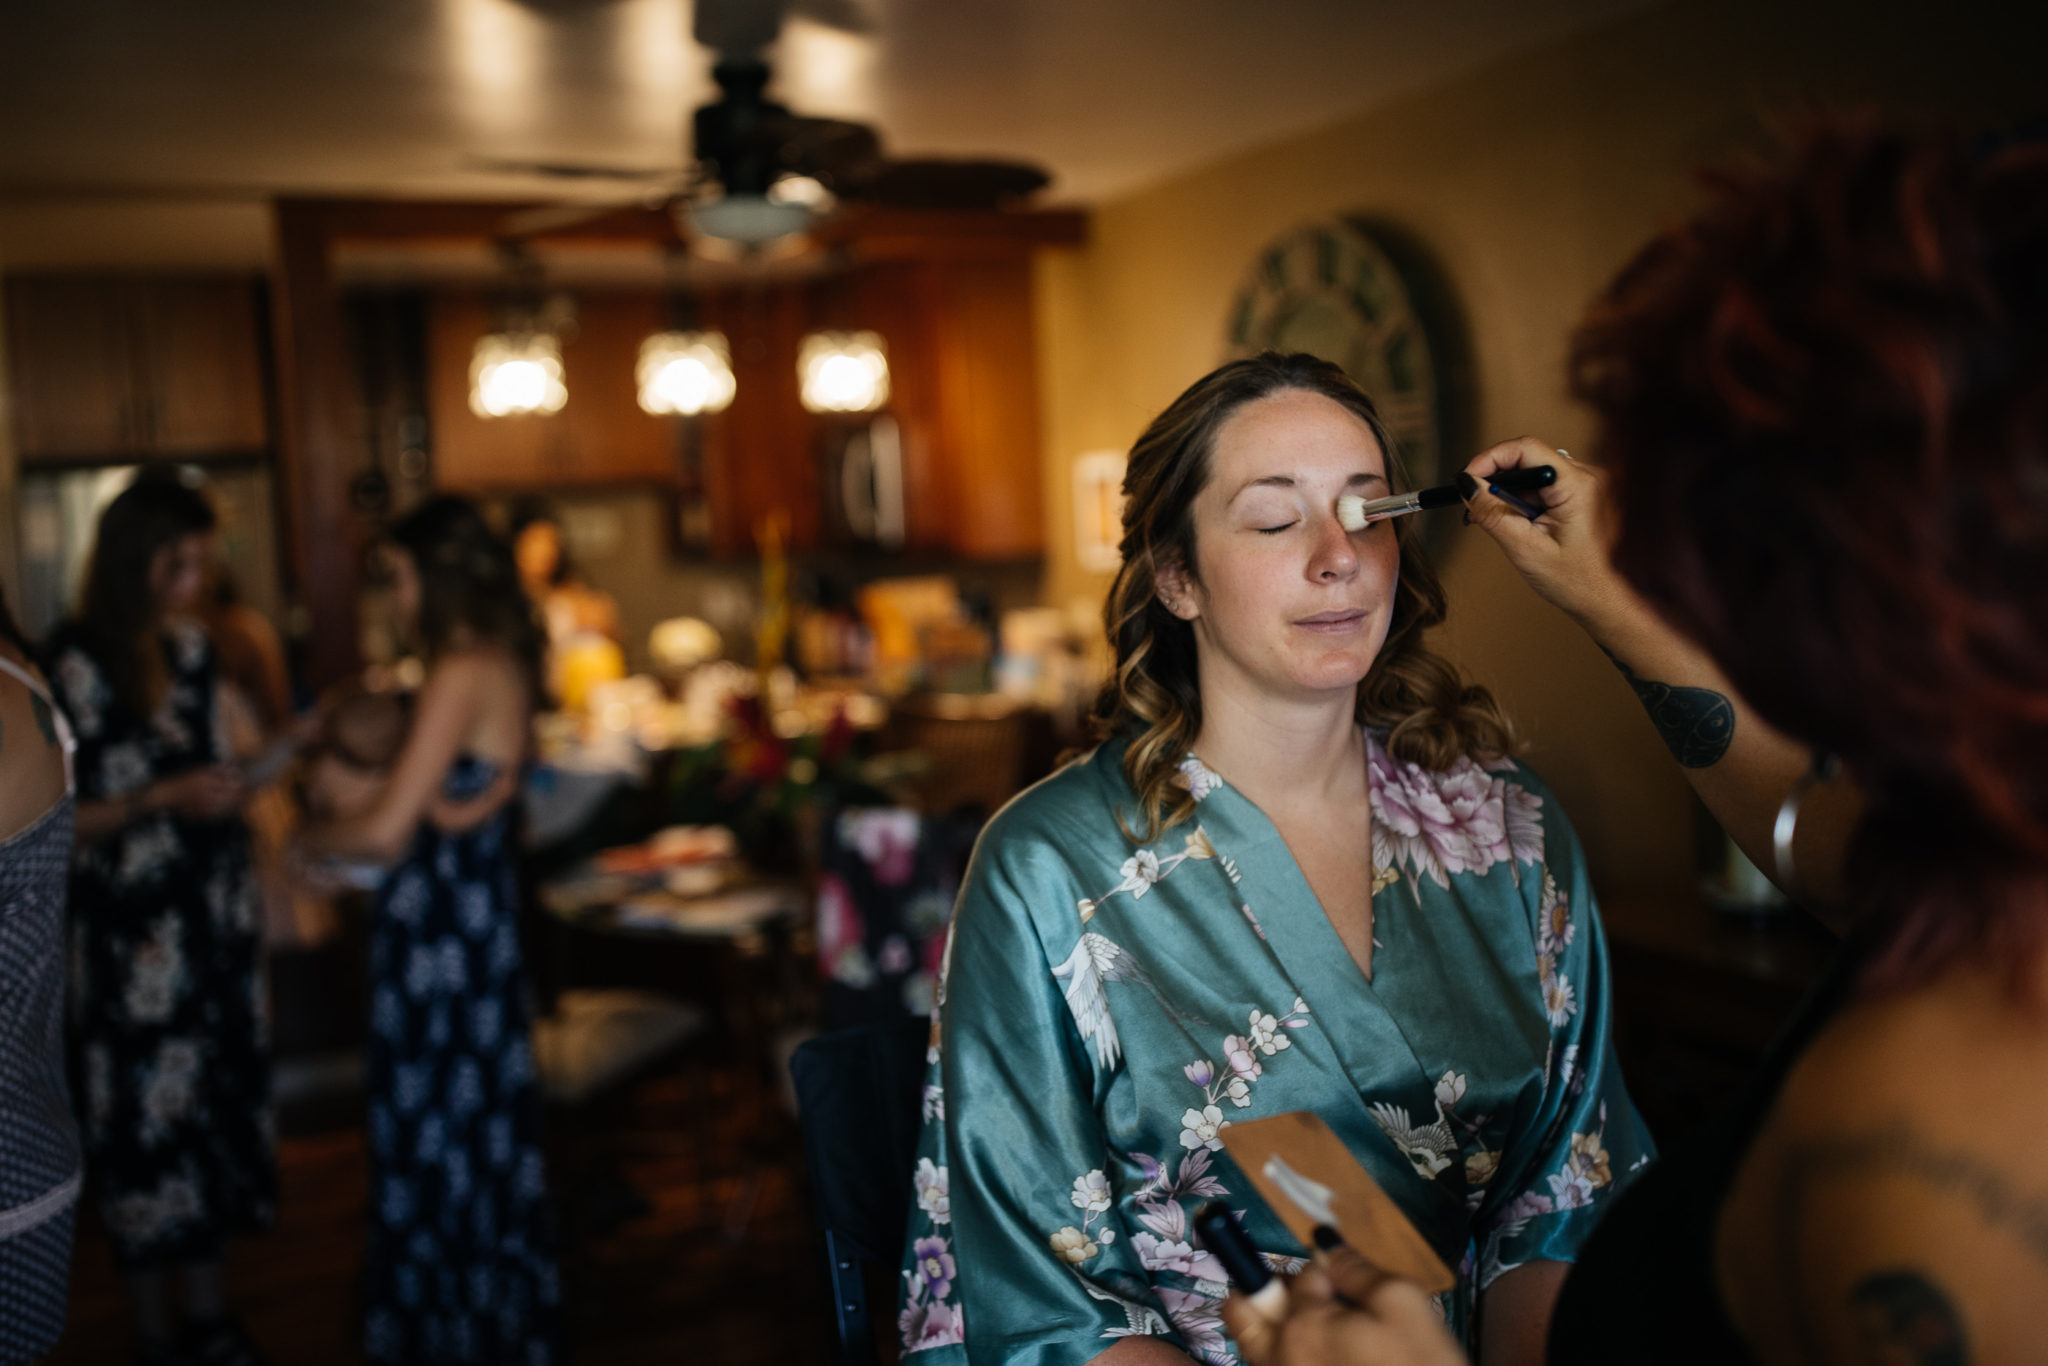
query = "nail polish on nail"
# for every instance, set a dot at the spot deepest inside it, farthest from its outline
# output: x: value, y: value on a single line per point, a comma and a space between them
x: 1326, y: 1238
x: 1468, y: 487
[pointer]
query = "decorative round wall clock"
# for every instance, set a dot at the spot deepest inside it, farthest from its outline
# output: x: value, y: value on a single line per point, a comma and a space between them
x: 1363, y: 294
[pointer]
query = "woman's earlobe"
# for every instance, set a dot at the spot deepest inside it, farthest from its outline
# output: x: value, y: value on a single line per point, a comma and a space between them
x: 1170, y: 586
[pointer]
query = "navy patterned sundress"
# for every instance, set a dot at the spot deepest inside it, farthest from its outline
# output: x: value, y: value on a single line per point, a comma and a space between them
x: 461, y: 1262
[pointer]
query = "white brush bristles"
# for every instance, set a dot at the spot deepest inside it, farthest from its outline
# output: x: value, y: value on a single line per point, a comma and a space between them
x: 1351, y: 512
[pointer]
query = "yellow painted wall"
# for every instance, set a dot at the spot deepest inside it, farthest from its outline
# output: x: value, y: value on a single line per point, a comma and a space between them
x: 1531, y: 180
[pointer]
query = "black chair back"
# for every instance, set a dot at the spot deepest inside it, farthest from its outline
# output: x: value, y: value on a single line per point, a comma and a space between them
x: 860, y: 1099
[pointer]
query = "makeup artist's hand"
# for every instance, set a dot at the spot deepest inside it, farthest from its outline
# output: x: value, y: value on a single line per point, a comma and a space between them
x: 1563, y: 553
x: 1379, y: 1321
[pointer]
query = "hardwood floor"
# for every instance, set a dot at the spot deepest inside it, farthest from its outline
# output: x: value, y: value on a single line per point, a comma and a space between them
x: 725, y: 1267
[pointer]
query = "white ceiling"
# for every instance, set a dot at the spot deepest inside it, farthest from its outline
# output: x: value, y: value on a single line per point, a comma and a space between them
x: 178, y: 119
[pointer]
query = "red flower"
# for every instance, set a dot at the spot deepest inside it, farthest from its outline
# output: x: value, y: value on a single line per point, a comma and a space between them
x: 838, y: 737
x: 748, y: 715
x: 770, y: 758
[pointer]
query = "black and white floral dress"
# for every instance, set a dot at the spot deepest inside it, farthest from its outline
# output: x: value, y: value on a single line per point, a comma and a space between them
x: 169, y: 1008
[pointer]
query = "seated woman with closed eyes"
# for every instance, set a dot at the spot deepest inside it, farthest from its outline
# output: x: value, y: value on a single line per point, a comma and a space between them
x: 1301, y: 872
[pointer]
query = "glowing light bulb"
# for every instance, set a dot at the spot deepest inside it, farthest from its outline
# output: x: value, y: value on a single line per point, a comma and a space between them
x: 844, y: 372
x: 685, y: 372
x: 515, y: 374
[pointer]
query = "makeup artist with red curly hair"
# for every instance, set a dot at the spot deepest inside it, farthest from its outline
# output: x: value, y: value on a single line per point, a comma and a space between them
x: 1823, y: 530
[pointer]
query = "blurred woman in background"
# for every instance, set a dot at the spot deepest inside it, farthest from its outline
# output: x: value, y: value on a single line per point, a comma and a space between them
x: 40, y: 1180
x: 582, y: 624
x: 568, y: 606
x: 460, y: 1263
x: 169, y: 999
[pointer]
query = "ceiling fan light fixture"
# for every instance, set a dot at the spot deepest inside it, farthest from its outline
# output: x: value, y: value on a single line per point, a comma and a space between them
x: 807, y: 191
x: 516, y: 374
x: 844, y: 372
x: 751, y: 220
x: 685, y: 373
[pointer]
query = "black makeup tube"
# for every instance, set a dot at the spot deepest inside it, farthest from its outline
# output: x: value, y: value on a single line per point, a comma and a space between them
x: 1218, y: 1232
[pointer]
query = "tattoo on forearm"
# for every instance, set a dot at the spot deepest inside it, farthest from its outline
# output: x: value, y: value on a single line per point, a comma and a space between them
x: 1696, y: 724
x: 1903, y: 1318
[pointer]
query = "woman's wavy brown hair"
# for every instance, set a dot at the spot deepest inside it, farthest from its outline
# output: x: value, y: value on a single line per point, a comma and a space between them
x: 469, y: 585
x: 1431, y: 715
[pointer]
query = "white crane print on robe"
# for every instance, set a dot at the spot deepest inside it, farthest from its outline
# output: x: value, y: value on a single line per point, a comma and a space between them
x: 1140, y: 1320
x: 1429, y: 1149
x: 1095, y: 960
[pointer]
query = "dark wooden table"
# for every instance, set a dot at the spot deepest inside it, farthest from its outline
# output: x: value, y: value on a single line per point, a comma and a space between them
x: 749, y: 974
x: 1699, y: 995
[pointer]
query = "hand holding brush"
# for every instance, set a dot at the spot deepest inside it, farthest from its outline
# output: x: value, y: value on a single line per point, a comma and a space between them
x: 1357, y: 513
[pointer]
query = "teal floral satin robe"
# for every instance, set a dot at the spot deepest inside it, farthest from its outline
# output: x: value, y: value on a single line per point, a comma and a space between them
x: 1105, y: 1011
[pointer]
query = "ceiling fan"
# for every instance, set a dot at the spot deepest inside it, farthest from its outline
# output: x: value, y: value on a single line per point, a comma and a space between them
x: 763, y: 173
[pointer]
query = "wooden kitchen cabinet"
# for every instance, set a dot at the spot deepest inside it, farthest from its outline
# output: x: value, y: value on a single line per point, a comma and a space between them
x: 988, y: 404
x: 964, y: 392
x: 599, y: 437
x: 758, y: 457
x: 202, y: 368
x: 112, y: 367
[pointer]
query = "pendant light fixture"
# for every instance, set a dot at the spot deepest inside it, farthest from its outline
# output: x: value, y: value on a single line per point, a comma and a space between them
x: 516, y: 371
x: 685, y: 373
x: 844, y: 372
x: 686, y: 370
x: 516, y: 374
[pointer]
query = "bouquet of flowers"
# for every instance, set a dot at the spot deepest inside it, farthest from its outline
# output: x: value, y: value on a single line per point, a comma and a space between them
x: 770, y: 788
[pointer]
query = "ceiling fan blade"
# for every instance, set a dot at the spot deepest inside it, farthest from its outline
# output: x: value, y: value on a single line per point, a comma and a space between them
x: 939, y: 184
x: 834, y: 152
x: 568, y: 170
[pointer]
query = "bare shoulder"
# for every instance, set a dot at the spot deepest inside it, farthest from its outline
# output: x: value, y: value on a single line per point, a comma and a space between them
x: 476, y: 661
x: 31, y: 761
x: 477, y: 667
x: 1895, y: 1206
x: 486, y: 692
x: 33, y: 716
